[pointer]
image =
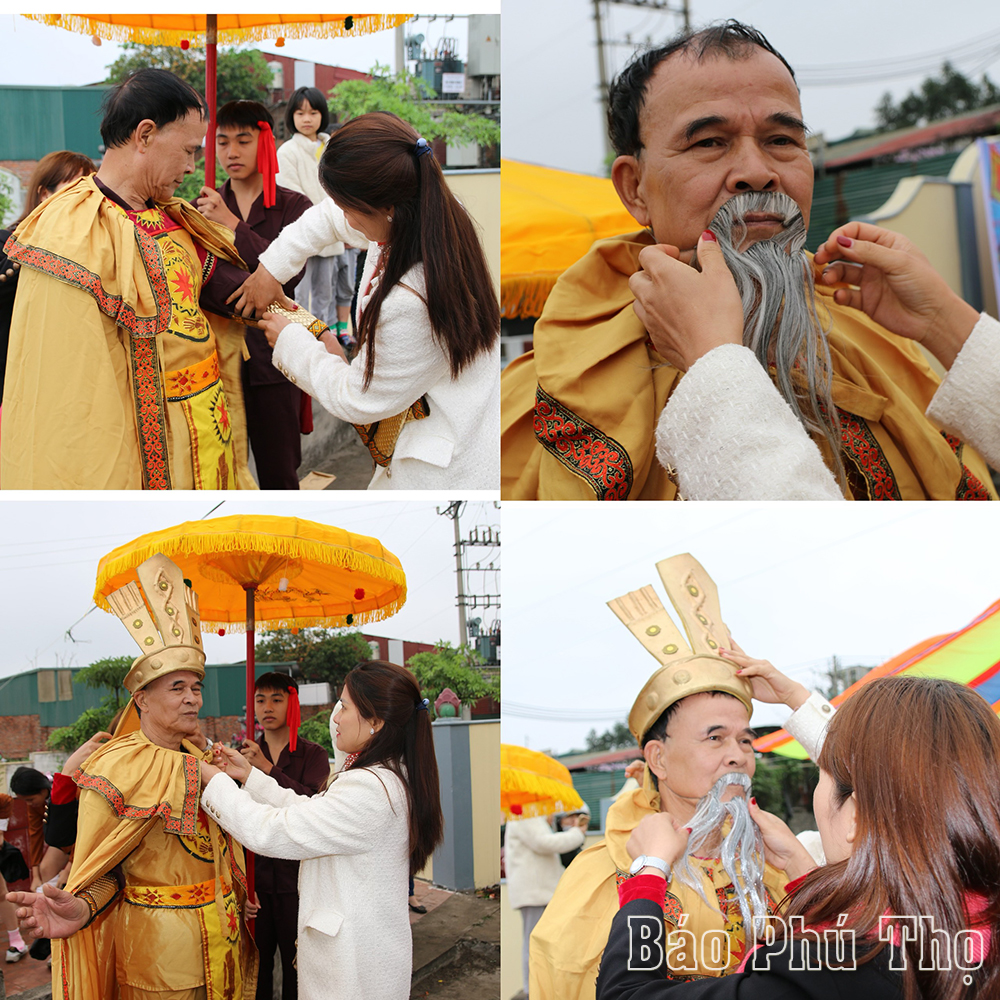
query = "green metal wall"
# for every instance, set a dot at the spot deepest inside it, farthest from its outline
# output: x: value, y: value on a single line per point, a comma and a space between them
x: 596, y: 785
x: 38, y: 120
x: 844, y: 195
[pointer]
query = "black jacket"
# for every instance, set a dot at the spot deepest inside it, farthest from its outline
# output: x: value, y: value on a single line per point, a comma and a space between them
x: 871, y: 981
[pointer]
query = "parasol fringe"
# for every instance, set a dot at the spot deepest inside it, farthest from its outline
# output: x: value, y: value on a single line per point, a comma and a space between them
x: 523, y: 296
x: 83, y: 24
x: 281, y: 545
x: 313, y: 621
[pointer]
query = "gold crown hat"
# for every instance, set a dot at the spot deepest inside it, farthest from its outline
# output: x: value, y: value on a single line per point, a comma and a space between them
x: 161, y: 614
x: 690, y: 667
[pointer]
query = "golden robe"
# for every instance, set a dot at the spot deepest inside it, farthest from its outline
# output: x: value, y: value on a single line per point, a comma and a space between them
x: 568, y: 941
x: 579, y: 413
x: 116, y: 378
x: 178, y: 925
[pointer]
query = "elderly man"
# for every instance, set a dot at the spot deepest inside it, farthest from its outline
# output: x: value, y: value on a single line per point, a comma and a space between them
x: 117, y: 377
x: 154, y: 903
x: 692, y: 721
x: 707, y: 120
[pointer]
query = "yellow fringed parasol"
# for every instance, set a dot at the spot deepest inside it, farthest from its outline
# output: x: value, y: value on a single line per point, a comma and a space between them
x: 207, y: 30
x: 278, y: 571
x: 534, y: 781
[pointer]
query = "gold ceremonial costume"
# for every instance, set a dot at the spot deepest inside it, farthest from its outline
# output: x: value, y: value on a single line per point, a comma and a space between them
x: 178, y: 924
x: 569, y: 939
x: 116, y: 378
x: 579, y: 413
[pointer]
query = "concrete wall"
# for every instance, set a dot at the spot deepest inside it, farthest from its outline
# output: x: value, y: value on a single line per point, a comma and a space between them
x: 468, y: 757
x: 479, y: 192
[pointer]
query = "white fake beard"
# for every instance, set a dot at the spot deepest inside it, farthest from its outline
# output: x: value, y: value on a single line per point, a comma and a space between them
x: 782, y: 325
x: 742, y: 851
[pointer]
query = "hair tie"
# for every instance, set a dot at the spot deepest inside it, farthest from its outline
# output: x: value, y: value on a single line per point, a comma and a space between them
x: 267, y: 162
x: 421, y: 706
x: 422, y: 146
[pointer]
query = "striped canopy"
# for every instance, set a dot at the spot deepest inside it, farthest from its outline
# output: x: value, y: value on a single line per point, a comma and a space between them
x: 970, y: 656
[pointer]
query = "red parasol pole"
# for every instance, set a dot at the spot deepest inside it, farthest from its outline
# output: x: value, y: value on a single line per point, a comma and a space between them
x: 250, y: 592
x: 211, y: 34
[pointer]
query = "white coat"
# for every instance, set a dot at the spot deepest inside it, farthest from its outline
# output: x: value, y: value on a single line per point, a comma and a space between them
x: 457, y: 445
x: 298, y: 169
x: 353, y: 841
x: 531, y: 859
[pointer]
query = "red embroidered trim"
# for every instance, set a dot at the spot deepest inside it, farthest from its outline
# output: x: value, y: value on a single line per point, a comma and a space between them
x: 150, y: 422
x: 875, y: 480
x: 187, y: 822
x: 582, y: 448
x: 970, y: 487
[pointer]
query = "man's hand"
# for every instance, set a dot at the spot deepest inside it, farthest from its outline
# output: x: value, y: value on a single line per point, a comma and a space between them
x: 635, y: 770
x: 253, y: 753
x: 687, y: 313
x: 250, y: 910
x: 659, y: 836
x: 782, y: 849
x: 257, y: 293
x: 51, y: 913
x: 211, y: 205
x: 887, y: 277
x: 78, y: 756
x: 769, y: 683
x: 198, y: 739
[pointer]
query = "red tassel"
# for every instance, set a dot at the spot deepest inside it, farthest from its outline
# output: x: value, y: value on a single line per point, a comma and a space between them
x: 267, y: 162
x: 294, y: 718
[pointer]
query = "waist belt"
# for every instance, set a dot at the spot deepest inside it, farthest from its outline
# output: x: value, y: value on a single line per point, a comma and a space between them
x: 171, y: 896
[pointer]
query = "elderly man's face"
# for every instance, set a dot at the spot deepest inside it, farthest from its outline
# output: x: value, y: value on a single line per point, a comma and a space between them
x: 710, y: 130
x: 707, y: 736
x: 170, y: 155
x: 170, y: 704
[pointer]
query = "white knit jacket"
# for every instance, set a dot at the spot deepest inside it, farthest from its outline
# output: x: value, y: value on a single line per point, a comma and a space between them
x: 298, y: 169
x: 531, y: 859
x: 353, y: 841
x: 457, y: 445
x: 730, y: 435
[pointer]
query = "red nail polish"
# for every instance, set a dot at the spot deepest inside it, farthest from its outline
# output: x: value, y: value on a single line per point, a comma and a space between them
x: 844, y: 241
x: 688, y: 830
x: 709, y: 236
x: 753, y: 800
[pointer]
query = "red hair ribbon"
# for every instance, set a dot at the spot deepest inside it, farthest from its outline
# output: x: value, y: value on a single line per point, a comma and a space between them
x: 294, y: 718
x: 267, y: 164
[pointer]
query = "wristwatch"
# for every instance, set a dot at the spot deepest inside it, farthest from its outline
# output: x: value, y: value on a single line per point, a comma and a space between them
x: 644, y: 861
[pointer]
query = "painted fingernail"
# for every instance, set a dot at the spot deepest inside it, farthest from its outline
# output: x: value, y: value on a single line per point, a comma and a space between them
x: 709, y: 236
x: 753, y: 800
x: 687, y: 830
x: 844, y: 241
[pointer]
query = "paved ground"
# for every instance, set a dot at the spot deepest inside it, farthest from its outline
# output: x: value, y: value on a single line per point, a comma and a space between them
x: 456, y: 950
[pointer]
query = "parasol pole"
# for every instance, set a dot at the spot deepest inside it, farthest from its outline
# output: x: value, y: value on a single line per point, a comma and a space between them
x: 211, y: 33
x: 251, y: 591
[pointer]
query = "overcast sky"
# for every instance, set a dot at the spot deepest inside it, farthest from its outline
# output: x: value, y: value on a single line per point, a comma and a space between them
x: 550, y: 76
x: 798, y: 583
x: 39, y: 55
x: 49, y: 550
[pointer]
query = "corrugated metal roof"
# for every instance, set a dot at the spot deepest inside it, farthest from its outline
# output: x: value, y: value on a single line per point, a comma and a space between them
x: 599, y: 758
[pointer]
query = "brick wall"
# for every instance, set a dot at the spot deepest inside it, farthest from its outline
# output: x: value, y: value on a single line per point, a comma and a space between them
x: 21, y: 169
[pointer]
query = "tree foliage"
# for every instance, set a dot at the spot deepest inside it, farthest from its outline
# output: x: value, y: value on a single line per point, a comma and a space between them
x: 323, y: 654
x: 405, y: 95
x: 317, y: 729
x: 241, y: 74
x: 92, y: 720
x: 107, y: 673
x: 459, y: 668
x: 950, y: 93
x: 618, y: 737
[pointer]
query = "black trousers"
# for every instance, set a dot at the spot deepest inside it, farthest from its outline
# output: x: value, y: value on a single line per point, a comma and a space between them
x: 273, y: 426
x: 276, y: 926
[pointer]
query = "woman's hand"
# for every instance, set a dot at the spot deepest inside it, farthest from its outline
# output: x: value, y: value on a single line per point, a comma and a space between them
x: 635, y: 769
x: 78, y: 756
x: 236, y: 765
x: 782, y: 849
x: 686, y: 312
x: 897, y: 287
x: 332, y: 345
x: 208, y: 772
x: 769, y: 684
x: 659, y: 836
x: 51, y: 913
x: 273, y: 324
x: 257, y: 293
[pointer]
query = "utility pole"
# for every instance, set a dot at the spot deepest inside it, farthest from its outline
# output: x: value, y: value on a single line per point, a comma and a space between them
x: 684, y: 10
x: 486, y: 536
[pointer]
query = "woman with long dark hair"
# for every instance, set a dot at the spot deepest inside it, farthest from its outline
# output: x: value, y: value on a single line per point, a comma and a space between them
x: 376, y: 824
x: 909, y: 815
x: 427, y: 320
